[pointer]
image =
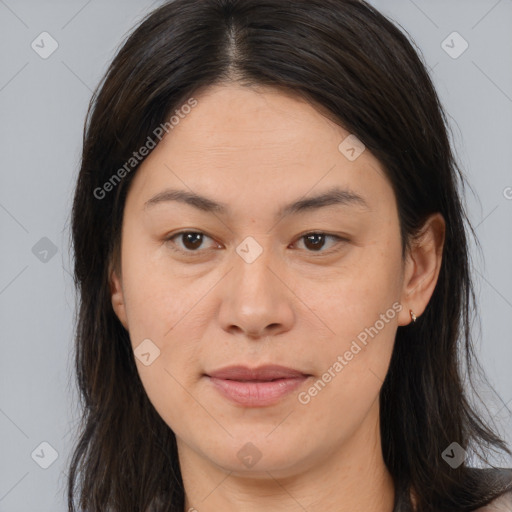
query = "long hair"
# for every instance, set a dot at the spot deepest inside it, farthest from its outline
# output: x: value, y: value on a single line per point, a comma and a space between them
x: 362, y: 72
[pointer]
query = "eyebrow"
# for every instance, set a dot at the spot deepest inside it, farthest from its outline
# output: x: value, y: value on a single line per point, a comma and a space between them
x: 333, y: 196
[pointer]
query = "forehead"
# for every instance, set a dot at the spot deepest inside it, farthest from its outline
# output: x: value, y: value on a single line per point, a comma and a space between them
x: 242, y: 140
x: 255, y: 119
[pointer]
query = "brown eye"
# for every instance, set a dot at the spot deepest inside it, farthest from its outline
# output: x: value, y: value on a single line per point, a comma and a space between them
x: 191, y: 241
x: 315, y: 242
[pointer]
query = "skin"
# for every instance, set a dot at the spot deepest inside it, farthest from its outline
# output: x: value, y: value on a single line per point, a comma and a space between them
x: 256, y: 149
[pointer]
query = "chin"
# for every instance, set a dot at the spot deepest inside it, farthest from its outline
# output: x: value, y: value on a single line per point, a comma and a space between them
x: 257, y: 455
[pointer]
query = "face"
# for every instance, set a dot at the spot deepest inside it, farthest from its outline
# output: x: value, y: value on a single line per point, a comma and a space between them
x: 319, y: 287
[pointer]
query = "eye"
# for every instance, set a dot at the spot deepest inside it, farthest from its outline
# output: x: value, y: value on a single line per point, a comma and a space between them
x: 191, y: 240
x: 315, y: 241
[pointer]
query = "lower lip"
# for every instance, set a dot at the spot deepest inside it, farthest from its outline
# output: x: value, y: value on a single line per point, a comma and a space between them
x: 257, y: 394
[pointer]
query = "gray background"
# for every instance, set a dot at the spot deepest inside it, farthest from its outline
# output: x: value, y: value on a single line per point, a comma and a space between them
x: 43, y: 104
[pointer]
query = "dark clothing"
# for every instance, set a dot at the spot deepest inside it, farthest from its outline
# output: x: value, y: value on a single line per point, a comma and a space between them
x: 501, y: 476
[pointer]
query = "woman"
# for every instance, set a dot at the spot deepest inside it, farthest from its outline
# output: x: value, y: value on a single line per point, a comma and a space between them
x: 273, y: 267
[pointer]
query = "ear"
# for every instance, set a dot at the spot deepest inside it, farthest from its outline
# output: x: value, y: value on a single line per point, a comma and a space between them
x: 422, y: 266
x: 117, y: 297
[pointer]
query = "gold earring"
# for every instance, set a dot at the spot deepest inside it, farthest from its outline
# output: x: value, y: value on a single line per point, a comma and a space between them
x: 413, y: 316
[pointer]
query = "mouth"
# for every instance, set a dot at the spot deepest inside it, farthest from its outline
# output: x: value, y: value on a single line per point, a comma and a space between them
x: 256, y: 387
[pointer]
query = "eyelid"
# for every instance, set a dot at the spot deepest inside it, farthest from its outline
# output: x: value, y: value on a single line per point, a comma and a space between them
x: 338, y: 238
x: 169, y: 238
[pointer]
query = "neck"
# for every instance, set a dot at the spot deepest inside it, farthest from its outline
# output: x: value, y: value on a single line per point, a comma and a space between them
x: 352, y: 478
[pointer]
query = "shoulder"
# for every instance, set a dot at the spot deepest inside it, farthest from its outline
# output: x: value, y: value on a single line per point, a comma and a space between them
x: 502, y: 478
x: 501, y: 504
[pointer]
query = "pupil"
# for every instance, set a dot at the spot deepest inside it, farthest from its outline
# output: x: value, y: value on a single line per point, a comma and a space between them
x: 194, y: 240
x: 316, y: 244
x: 189, y: 240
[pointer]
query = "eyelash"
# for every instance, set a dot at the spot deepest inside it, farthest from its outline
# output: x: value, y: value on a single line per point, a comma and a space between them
x: 338, y: 239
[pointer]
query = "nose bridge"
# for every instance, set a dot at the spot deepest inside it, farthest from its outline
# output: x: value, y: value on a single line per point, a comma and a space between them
x: 256, y: 301
x: 252, y: 269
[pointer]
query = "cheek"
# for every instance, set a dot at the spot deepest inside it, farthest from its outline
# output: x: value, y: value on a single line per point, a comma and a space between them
x: 354, y: 367
x: 355, y: 298
x: 359, y: 311
x: 156, y: 300
x: 168, y: 390
x: 166, y: 322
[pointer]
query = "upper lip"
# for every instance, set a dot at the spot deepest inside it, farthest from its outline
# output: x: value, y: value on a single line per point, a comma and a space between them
x: 263, y: 373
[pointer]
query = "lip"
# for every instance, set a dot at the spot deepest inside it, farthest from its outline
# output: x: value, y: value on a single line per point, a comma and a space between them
x: 256, y: 387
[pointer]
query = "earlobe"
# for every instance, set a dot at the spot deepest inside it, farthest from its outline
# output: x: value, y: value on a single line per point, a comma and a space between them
x: 117, y: 298
x: 422, y: 268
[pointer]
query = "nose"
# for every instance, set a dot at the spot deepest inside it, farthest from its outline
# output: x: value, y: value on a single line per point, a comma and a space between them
x: 256, y: 300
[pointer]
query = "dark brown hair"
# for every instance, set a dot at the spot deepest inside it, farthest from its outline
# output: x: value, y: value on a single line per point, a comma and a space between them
x: 359, y: 69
